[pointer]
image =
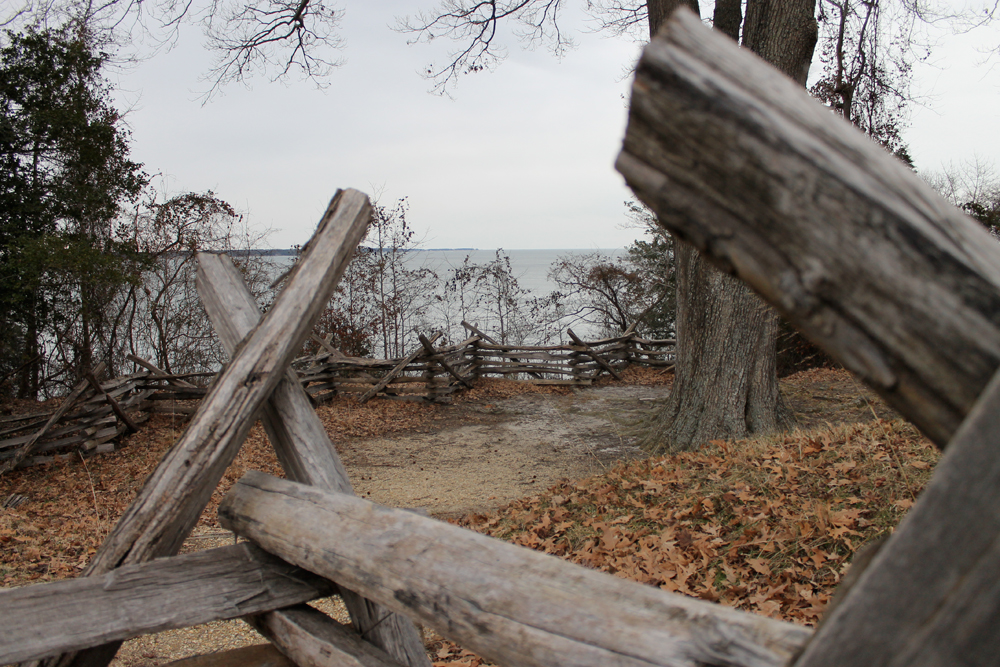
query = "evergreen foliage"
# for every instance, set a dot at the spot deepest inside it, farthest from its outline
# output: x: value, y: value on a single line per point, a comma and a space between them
x: 65, y: 175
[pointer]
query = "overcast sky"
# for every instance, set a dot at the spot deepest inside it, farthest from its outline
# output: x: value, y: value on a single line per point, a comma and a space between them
x: 518, y: 158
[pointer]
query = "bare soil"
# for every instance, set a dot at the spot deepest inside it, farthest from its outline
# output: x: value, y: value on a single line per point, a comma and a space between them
x: 487, y: 454
x: 484, y: 453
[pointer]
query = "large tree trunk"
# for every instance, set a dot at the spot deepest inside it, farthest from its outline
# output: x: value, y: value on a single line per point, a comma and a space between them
x: 726, y: 382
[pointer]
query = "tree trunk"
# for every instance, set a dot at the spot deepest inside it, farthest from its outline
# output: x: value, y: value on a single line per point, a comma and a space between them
x: 29, y: 379
x: 784, y: 33
x: 726, y: 382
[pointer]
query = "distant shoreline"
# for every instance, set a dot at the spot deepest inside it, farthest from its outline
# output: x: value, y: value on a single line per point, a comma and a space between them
x: 291, y: 252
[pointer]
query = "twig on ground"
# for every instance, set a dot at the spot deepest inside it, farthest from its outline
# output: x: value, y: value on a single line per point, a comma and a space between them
x: 93, y: 491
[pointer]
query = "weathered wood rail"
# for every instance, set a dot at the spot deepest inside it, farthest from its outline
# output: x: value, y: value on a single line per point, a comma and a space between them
x: 87, y: 422
x: 929, y: 597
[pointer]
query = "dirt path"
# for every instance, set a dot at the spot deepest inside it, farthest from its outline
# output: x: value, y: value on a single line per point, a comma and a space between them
x: 482, y: 455
x: 515, y: 447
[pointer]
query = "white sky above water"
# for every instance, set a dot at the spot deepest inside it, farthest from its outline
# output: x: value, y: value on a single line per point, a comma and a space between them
x: 519, y: 158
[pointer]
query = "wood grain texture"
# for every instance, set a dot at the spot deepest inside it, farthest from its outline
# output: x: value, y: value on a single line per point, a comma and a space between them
x: 476, y: 332
x: 63, y: 408
x: 589, y: 351
x: 434, y: 355
x: 173, y: 497
x: 399, y: 368
x: 851, y: 246
x: 258, y: 655
x: 163, y: 594
x: 156, y: 371
x: 301, y: 443
x: 507, y: 603
x: 312, y: 639
x: 115, y: 407
x: 930, y: 596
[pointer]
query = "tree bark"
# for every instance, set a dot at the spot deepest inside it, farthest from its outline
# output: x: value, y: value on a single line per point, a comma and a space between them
x: 660, y: 10
x: 725, y: 379
x: 784, y: 33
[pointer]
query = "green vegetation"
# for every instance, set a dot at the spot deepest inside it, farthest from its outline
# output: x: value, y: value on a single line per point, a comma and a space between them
x: 92, y: 267
x: 66, y: 176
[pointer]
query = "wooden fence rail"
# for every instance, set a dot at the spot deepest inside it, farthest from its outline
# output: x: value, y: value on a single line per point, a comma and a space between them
x: 423, y: 375
x: 89, y: 421
x: 509, y: 604
x: 163, y: 594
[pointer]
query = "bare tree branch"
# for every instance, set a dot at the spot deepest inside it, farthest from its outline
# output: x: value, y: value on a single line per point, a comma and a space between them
x: 621, y: 17
x: 265, y: 35
x: 474, y: 24
x: 270, y: 37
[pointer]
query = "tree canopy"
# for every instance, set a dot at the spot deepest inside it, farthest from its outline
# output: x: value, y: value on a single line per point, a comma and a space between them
x: 65, y: 174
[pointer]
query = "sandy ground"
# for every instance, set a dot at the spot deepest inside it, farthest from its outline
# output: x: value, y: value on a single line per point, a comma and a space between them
x: 513, y: 448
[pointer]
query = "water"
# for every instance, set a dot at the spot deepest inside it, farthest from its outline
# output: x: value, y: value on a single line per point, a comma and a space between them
x: 530, y: 267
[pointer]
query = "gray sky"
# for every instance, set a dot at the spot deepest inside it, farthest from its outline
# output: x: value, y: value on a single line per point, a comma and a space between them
x: 519, y: 158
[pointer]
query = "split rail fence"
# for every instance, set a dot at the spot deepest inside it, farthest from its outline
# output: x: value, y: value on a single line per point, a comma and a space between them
x: 796, y: 202
x: 94, y: 414
x: 433, y: 374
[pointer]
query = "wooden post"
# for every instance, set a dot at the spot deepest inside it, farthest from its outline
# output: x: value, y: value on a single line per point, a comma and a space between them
x: 483, y: 336
x: 439, y: 358
x: 589, y: 351
x: 930, y: 595
x: 304, y: 450
x: 429, y: 374
x: 511, y: 605
x: 476, y: 361
x: 132, y: 427
x: 575, y: 357
x: 399, y: 368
